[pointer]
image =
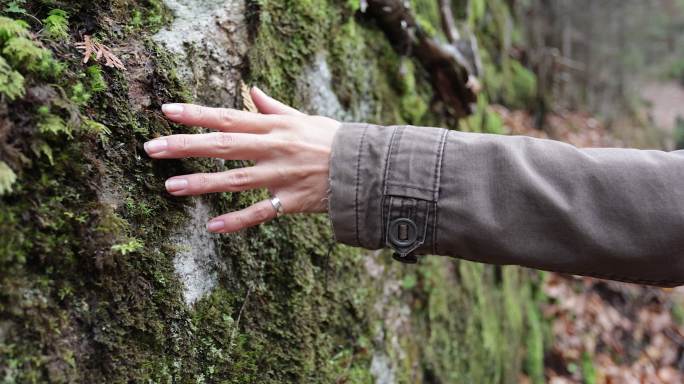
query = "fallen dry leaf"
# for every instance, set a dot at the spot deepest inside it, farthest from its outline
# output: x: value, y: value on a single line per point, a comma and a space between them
x: 89, y: 47
x: 247, y: 102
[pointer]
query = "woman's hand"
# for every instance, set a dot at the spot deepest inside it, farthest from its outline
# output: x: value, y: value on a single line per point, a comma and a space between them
x: 291, y: 152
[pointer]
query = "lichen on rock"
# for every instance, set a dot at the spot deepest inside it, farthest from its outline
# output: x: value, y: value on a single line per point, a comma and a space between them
x: 197, y: 261
x: 210, y: 39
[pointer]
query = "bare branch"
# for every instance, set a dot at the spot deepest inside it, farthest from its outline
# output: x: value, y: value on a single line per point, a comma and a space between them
x: 448, y: 21
x: 451, y: 70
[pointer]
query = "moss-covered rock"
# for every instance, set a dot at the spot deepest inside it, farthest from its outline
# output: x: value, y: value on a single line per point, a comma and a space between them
x: 106, y: 278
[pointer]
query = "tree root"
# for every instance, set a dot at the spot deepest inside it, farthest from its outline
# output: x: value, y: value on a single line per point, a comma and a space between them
x: 453, y: 66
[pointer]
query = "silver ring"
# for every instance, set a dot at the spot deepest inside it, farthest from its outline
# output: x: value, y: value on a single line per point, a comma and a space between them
x: 277, y: 205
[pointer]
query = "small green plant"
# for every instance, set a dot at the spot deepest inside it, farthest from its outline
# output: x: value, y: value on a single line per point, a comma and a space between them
x: 138, y: 208
x: 12, y: 28
x: 96, y: 79
x: 41, y: 148
x: 99, y: 129
x: 11, y: 81
x: 7, y: 178
x: 136, y: 19
x: 23, y: 54
x: 22, y: 51
x: 409, y: 281
x: 49, y: 123
x: 16, y: 6
x: 57, y: 24
x: 133, y: 245
x: 79, y: 94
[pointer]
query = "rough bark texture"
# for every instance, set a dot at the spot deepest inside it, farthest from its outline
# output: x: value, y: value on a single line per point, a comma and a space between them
x: 104, y: 277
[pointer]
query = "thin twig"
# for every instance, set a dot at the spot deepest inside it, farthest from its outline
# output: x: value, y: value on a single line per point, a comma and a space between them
x: 448, y: 22
x: 237, y: 323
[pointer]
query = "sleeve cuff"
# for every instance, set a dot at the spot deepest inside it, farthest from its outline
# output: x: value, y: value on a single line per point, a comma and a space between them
x: 357, y: 161
x: 384, y: 186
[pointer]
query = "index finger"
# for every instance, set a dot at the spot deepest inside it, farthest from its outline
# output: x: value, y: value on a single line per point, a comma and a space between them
x: 222, y: 119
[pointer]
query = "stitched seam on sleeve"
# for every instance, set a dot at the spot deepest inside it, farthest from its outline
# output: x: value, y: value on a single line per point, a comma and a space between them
x: 408, y: 186
x: 387, y: 161
x: 356, y: 184
x: 396, y: 137
x: 434, y: 228
x: 438, y: 164
x: 386, y: 209
x: 438, y: 175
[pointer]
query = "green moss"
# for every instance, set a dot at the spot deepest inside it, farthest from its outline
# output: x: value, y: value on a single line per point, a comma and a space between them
x: 520, y: 87
x: 79, y: 95
x: 7, y: 178
x: 505, y: 79
x: 56, y: 24
x: 130, y: 246
x: 535, y: 345
x: 476, y: 12
x: 51, y: 124
x: 413, y: 104
x: 468, y: 318
x: 588, y: 369
x: 22, y: 51
x: 426, y: 26
x: 428, y: 17
x: 53, y: 220
x: 96, y: 80
x: 10, y: 28
x: 484, y: 119
x: 11, y: 81
x: 90, y: 291
x: 99, y: 129
x: 347, y: 50
x: 289, y: 33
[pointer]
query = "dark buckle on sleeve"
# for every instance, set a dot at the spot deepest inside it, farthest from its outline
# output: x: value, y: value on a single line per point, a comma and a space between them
x: 409, y: 258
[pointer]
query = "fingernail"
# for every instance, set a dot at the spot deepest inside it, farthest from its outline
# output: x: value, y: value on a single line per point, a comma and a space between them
x: 172, y: 109
x: 215, y: 225
x: 175, y: 185
x: 155, y: 146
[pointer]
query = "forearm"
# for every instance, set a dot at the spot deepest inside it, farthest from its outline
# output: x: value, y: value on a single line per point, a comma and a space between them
x: 613, y: 213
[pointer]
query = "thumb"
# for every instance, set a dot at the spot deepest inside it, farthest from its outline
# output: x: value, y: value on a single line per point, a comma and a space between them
x: 270, y: 106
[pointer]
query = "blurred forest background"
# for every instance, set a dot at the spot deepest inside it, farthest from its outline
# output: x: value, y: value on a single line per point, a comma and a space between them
x: 620, y: 60
x: 106, y: 278
x: 609, y: 73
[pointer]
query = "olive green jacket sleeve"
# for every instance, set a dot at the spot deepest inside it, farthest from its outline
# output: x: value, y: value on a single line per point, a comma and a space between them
x: 604, y: 212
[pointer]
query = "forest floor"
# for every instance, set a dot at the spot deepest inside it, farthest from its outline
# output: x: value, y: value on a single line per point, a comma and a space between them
x: 667, y: 102
x: 600, y: 331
